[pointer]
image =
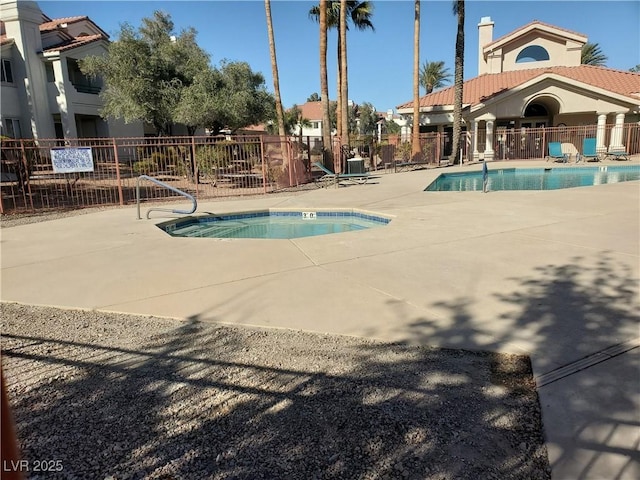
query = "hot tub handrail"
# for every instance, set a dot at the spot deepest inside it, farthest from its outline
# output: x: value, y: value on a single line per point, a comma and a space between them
x: 173, y: 189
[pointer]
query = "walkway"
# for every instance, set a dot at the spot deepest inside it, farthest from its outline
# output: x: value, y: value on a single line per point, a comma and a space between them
x: 551, y: 274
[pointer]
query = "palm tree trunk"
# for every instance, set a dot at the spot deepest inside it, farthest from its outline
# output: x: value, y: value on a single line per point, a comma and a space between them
x: 415, y: 131
x: 339, y: 89
x: 276, y: 86
x: 344, y: 95
x: 324, y: 88
x: 458, y: 84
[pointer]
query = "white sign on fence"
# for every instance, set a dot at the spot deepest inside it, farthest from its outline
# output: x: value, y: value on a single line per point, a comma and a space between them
x: 308, y: 215
x: 71, y: 160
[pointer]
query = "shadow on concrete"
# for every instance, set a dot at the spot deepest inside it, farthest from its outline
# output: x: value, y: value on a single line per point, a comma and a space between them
x: 208, y: 401
x: 580, y: 324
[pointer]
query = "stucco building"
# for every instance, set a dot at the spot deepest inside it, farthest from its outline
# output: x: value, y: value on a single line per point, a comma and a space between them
x: 532, y: 77
x: 43, y: 92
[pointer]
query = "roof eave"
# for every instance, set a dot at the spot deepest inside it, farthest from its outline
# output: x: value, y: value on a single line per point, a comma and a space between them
x: 536, y: 26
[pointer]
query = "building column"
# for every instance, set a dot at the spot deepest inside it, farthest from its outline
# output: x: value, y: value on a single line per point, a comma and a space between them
x: 476, y: 154
x: 64, y: 86
x: 616, y: 134
x: 600, y: 133
x: 489, y: 153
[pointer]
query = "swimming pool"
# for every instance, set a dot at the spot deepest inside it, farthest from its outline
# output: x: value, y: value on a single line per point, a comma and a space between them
x: 535, y: 178
x: 273, y: 224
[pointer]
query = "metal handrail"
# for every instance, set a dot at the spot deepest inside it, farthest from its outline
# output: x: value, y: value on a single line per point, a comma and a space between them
x: 162, y: 184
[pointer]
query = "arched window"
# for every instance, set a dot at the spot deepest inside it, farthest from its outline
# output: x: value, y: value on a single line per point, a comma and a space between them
x: 536, y: 110
x: 533, y: 53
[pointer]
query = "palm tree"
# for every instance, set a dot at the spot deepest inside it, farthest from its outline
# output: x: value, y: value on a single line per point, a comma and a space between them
x: 276, y: 85
x: 415, y: 131
x: 344, y: 95
x: 592, y: 55
x: 297, y: 119
x: 324, y: 87
x: 360, y: 14
x: 434, y: 75
x: 458, y: 9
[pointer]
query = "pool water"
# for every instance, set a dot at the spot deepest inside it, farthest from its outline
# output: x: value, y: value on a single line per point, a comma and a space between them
x: 275, y: 225
x: 534, y: 178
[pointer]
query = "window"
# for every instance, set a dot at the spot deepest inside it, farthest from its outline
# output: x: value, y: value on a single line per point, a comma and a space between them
x: 536, y: 110
x: 51, y: 76
x: 315, y: 125
x: 532, y: 53
x: 81, y: 82
x: 7, y: 73
x: 11, y: 128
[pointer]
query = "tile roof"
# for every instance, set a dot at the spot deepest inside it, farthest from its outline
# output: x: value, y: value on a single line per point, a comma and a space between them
x: 311, y: 110
x: 5, y: 40
x: 55, y: 23
x: 483, y: 87
x: 529, y: 25
x: 76, y: 42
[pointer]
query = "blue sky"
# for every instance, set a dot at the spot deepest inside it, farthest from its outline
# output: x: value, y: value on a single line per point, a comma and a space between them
x: 380, y: 62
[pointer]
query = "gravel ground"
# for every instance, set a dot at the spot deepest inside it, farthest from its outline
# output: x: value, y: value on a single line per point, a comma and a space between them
x: 112, y: 396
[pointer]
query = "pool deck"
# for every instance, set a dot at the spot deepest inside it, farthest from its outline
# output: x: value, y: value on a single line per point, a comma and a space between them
x: 551, y: 274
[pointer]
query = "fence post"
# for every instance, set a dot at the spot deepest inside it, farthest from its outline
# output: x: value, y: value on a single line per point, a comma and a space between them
x: 264, y: 172
x: 25, y: 163
x: 194, y: 164
x: 118, y: 179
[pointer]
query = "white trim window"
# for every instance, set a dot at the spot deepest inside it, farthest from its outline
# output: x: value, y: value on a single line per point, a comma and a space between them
x: 11, y: 128
x: 6, y: 71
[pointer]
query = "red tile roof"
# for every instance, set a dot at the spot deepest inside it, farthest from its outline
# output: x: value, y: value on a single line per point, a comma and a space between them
x: 481, y: 88
x: 311, y: 110
x: 53, y: 24
x: 76, y: 42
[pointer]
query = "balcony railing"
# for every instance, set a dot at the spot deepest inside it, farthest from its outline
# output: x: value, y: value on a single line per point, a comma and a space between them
x: 84, y: 88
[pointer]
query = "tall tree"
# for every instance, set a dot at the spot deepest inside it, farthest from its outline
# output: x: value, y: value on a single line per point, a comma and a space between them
x: 592, y: 55
x: 276, y: 86
x: 415, y: 131
x: 146, y: 70
x: 458, y: 9
x: 324, y: 88
x: 232, y: 96
x: 368, y: 119
x: 344, y: 95
x: 434, y: 75
x: 360, y: 14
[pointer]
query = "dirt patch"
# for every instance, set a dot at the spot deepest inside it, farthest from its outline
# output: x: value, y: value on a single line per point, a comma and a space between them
x: 125, y: 397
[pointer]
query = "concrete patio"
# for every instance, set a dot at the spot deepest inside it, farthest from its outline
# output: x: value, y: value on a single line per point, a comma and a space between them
x: 551, y: 274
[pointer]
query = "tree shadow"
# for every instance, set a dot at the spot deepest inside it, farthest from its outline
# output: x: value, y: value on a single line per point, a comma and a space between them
x: 201, y: 400
x: 579, y: 321
x: 209, y: 401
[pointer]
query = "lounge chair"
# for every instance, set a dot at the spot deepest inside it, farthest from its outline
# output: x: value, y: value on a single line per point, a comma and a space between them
x: 555, y: 153
x: 589, y: 153
x: 329, y: 176
x: 617, y: 155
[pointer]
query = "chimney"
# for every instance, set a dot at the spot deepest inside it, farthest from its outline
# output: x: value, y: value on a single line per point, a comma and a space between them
x: 485, y: 36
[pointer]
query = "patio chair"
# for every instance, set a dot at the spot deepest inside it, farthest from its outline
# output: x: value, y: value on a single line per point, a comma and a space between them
x: 617, y: 155
x: 329, y: 176
x: 589, y: 153
x: 555, y: 153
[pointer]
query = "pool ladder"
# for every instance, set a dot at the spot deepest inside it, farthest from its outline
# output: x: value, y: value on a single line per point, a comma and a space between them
x: 173, y: 189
